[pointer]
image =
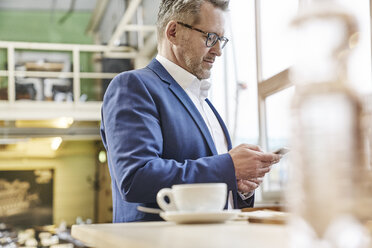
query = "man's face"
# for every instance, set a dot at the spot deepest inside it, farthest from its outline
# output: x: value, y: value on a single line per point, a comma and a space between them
x: 192, y: 52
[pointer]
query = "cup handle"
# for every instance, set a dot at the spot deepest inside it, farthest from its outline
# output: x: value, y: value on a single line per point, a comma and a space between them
x: 160, y: 198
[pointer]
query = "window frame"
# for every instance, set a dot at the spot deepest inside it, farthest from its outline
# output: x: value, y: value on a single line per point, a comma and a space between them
x: 272, y: 85
x: 266, y: 88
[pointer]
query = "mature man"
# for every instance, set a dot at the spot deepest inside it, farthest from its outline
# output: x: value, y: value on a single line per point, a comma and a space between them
x: 158, y: 127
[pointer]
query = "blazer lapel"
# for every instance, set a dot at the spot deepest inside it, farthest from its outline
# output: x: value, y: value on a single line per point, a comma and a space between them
x: 229, y: 145
x: 185, y: 100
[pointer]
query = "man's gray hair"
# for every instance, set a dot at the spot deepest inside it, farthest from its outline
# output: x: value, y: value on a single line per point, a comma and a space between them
x: 184, y: 11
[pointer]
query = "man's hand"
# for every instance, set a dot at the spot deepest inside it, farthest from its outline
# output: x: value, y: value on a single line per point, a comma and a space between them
x: 250, y: 162
x: 246, y: 186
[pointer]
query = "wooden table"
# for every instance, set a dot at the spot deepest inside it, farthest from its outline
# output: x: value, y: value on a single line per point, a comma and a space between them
x: 167, y: 234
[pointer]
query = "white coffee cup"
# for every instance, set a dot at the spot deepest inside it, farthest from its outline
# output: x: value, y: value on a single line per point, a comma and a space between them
x: 193, y: 197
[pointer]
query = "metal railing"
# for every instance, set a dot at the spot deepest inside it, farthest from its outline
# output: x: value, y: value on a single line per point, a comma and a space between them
x: 11, y: 108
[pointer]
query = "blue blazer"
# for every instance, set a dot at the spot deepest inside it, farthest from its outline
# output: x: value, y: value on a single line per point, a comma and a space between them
x: 155, y: 138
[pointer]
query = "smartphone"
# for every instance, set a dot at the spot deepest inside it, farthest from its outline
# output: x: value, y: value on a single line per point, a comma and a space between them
x: 281, y: 151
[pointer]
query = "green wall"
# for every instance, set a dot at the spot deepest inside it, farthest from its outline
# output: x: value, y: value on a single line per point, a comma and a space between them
x: 44, y: 26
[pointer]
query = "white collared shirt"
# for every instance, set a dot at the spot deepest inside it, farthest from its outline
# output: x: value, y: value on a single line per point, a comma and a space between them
x: 197, y: 90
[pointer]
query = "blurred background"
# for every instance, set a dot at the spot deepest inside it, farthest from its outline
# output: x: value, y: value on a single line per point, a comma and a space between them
x: 57, y: 58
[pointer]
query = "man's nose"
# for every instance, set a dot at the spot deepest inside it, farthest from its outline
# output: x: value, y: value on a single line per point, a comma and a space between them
x: 216, y: 49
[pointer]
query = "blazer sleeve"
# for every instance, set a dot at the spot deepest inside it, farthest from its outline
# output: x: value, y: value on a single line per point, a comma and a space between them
x: 248, y: 203
x: 131, y: 131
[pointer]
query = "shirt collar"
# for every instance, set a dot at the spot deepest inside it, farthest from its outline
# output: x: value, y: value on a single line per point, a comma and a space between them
x: 185, y: 79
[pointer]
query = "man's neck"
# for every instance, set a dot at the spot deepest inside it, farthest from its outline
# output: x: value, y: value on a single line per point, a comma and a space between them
x: 168, y: 54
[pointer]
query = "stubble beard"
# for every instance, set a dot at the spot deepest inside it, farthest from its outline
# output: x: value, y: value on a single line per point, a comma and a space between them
x: 196, y: 67
x: 194, y: 63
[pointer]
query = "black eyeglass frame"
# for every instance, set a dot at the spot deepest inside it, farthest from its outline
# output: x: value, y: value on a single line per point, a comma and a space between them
x: 222, y: 39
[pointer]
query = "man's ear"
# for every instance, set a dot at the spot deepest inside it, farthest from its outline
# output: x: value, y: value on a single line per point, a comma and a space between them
x: 171, y: 32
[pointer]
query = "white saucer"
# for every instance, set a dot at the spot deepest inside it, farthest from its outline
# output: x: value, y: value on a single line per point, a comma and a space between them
x: 199, y: 217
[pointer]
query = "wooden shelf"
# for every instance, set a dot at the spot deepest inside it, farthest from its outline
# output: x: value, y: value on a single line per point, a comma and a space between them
x: 44, y: 66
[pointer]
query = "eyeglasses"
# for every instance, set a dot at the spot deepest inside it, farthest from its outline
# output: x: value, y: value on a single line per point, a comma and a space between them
x: 212, y: 38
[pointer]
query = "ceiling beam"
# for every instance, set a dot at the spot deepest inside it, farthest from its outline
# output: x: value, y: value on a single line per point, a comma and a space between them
x: 150, y: 46
x: 97, y: 15
x: 144, y: 28
x: 125, y: 20
x: 147, y: 51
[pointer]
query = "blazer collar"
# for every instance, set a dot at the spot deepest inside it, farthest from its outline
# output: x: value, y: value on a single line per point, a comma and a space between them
x: 158, y: 69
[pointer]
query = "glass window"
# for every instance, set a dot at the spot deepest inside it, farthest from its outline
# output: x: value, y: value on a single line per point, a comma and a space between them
x: 234, y: 75
x: 276, y: 36
x: 278, y: 116
x: 276, y: 56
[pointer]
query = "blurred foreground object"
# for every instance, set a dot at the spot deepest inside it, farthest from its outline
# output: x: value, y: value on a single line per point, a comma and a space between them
x: 328, y: 160
x: 363, y: 205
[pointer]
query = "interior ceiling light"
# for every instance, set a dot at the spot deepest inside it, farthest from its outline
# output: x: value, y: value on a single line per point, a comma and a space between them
x: 102, y: 156
x: 56, y: 142
x: 64, y: 122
